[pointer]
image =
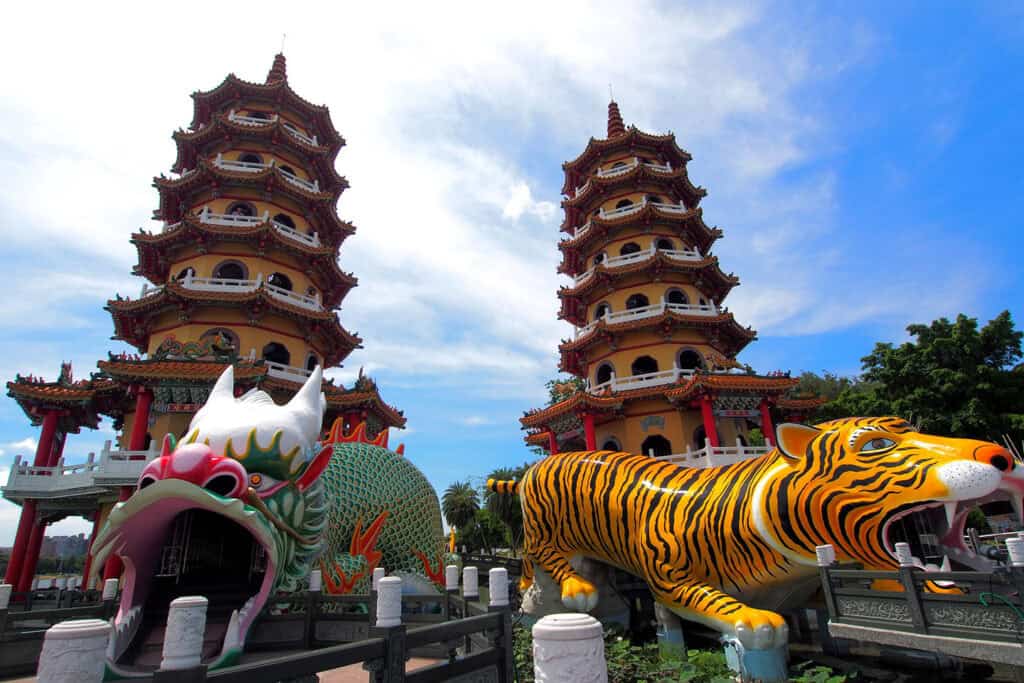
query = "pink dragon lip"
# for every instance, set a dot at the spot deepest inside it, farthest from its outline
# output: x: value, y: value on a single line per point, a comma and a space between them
x: 136, y: 530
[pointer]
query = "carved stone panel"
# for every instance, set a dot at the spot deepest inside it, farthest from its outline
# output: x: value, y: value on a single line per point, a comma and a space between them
x: 873, y: 608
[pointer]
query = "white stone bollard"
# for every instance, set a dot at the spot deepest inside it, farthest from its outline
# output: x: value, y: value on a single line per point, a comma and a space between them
x: 497, y: 585
x: 109, y: 589
x: 378, y: 574
x: 74, y: 652
x: 389, y: 602
x: 1015, y: 546
x: 903, y: 555
x: 72, y: 583
x: 826, y: 555
x: 451, y: 577
x: 62, y: 583
x: 470, y: 582
x: 34, y: 585
x: 316, y: 581
x: 569, y: 647
x: 5, y: 595
x: 183, y: 638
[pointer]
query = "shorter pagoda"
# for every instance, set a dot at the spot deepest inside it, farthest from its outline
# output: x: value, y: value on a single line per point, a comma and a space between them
x: 654, y: 348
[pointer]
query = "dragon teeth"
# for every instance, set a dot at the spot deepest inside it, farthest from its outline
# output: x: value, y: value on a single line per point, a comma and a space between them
x: 950, y: 513
x: 1017, y: 501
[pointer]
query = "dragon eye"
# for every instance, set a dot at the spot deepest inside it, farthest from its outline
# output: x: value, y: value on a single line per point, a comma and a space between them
x: 261, y: 482
x: 877, y: 444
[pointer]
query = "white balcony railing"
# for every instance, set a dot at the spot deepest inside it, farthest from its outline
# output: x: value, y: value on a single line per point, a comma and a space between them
x: 287, y: 372
x: 650, y: 379
x: 239, y: 221
x: 236, y: 165
x: 150, y: 290
x: 112, y: 469
x: 626, y: 210
x: 717, y: 456
x: 300, y: 135
x: 251, y: 120
x: 649, y: 312
x: 312, y: 240
x: 617, y: 261
x: 629, y: 166
x: 296, y: 180
x: 224, y: 284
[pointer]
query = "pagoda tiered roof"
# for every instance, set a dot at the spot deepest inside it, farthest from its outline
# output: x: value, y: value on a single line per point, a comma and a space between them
x: 79, y: 402
x: 680, y: 393
x: 641, y: 175
x: 155, y: 262
x: 692, y: 221
x: 276, y: 91
x: 706, y: 275
x: 223, y: 128
x: 133, y: 317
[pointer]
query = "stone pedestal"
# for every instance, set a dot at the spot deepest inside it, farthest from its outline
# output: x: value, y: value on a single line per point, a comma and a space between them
x: 569, y: 647
x: 470, y: 582
x: 5, y: 595
x: 766, y: 666
x: 545, y: 596
x: 497, y: 587
x: 110, y: 589
x: 74, y: 652
x: 451, y: 577
x: 389, y: 602
x: 183, y: 639
x: 378, y: 574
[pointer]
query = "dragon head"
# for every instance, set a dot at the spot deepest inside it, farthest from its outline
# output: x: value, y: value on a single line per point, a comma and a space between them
x: 234, y: 511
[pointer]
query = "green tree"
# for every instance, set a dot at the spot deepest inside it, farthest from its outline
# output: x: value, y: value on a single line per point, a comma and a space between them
x: 459, y: 503
x: 484, y: 531
x: 952, y: 379
x: 507, y: 508
x: 561, y: 389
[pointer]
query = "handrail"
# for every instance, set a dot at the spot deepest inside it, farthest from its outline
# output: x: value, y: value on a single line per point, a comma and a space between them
x: 313, y: 186
x: 288, y: 372
x: 648, y: 312
x: 250, y: 120
x: 300, y: 135
x: 616, y: 261
x: 649, y: 379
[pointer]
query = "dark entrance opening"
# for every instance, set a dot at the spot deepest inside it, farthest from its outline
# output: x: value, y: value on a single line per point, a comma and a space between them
x: 657, y: 446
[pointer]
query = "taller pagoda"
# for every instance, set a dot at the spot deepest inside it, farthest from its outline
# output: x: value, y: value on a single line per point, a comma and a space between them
x: 653, y: 345
x: 244, y: 271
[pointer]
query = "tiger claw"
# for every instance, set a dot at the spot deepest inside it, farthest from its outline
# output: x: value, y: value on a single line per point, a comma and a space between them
x: 579, y: 595
x: 762, y: 630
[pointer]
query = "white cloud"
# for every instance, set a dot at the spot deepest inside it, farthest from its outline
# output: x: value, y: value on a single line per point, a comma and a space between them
x: 475, y: 420
x: 28, y: 444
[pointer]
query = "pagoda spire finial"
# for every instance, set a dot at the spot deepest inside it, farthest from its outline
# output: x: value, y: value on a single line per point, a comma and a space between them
x: 278, y: 72
x: 615, y: 125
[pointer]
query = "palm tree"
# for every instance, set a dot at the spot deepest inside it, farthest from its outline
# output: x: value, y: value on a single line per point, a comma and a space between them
x: 460, y: 503
x: 506, y: 507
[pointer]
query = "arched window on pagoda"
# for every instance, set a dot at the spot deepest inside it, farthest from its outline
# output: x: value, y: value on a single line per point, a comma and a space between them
x: 604, y: 373
x: 258, y: 115
x: 637, y: 301
x: 629, y: 248
x: 221, y: 335
x: 186, y: 272
x: 702, y: 301
x: 700, y: 436
x: 311, y: 291
x: 644, y: 365
x: 231, y: 270
x: 288, y: 169
x: 676, y: 296
x: 690, y: 360
x: 619, y: 164
x: 311, y: 362
x: 664, y: 243
x: 285, y: 220
x: 656, y: 446
x: 611, y: 444
x: 599, y: 259
x: 623, y: 203
x: 250, y: 158
x: 655, y: 199
x: 603, y: 309
x: 242, y: 209
x: 276, y: 353
x: 280, y: 280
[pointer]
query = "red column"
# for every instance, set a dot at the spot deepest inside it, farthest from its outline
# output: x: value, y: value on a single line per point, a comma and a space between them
x: 709, y: 420
x: 766, y: 422
x: 45, y: 446
x: 552, y: 443
x: 25, y: 524
x: 588, y: 431
x: 88, y: 551
x: 140, y: 424
x: 60, y: 439
x: 28, y: 567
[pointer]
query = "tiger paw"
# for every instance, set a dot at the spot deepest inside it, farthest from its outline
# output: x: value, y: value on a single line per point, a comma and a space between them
x: 760, y: 629
x: 579, y: 594
x: 524, y: 584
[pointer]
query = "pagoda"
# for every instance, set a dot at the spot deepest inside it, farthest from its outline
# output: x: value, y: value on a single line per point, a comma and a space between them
x: 654, y: 348
x: 243, y: 271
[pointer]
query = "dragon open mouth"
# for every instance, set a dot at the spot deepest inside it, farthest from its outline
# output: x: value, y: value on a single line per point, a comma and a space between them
x: 177, y: 539
x: 935, y: 532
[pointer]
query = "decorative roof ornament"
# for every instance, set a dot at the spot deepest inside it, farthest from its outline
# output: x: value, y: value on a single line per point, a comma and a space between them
x: 278, y: 72
x: 615, y: 125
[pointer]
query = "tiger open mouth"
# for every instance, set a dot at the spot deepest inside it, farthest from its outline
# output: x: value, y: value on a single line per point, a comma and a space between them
x: 176, y: 538
x: 935, y: 531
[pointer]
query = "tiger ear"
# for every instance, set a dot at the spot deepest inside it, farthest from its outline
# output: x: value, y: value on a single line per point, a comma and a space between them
x: 793, y: 439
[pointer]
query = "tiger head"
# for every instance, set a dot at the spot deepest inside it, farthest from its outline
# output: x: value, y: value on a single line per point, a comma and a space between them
x: 863, y: 484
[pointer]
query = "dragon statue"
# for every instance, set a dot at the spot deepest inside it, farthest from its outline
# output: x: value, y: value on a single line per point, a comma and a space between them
x: 261, y: 501
x: 731, y: 546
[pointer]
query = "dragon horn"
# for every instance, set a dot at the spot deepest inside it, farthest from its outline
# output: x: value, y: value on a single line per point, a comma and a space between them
x: 225, y: 386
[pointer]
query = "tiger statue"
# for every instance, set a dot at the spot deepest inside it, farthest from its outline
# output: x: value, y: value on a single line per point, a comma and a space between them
x: 720, y: 545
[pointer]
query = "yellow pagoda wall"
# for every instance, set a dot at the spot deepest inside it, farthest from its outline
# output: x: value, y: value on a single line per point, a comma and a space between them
x: 644, y: 239
x: 206, y: 264
x: 254, y: 196
x: 657, y: 417
x: 654, y: 291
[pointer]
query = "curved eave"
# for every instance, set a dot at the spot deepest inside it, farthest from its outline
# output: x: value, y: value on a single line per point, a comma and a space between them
x: 708, y: 277
x: 731, y: 384
x: 207, y: 103
x: 641, y: 176
x: 698, y: 232
x: 341, y: 399
x: 580, y: 400
x: 731, y: 337
x: 190, y: 143
x: 800, y: 405
x: 82, y: 402
x: 173, y: 191
x: 598, y: 147
x: 130, y: 370
x: 154, y: 261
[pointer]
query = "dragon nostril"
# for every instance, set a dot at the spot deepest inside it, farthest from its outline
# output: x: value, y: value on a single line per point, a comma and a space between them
x: 222, y: 484
x: 146, y: 481
x: 1000, y: 463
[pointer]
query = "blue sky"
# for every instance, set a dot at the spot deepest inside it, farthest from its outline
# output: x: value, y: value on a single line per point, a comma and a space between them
x: 862, y: 161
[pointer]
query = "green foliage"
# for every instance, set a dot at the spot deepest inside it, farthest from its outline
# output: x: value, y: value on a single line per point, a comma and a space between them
x: 976, y: 520
x: 756, y: 437
x: 483, y: 532
x: 808, y: 672
x: 507, y: 508
x: 827, y: 385
x: 561, y: 389
x: 460, y: 503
